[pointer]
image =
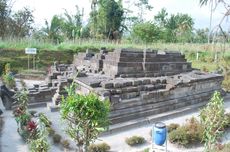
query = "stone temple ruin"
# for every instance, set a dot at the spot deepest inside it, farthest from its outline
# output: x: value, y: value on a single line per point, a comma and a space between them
x: 138, y: 83
x: 142, y: 83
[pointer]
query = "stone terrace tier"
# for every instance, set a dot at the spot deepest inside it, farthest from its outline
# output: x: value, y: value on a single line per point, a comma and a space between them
x: 134, y: 63
x: 144, y: 63
x: 133, y: 98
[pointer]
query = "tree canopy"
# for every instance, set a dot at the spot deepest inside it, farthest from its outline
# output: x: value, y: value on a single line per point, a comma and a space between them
x: 108, y: 20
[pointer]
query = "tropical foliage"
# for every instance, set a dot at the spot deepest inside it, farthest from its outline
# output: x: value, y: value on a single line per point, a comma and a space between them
x: 8, y: 77
x: 86, y: 116
x: 213, y: 119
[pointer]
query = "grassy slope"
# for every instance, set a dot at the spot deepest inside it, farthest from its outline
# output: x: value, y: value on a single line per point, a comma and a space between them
x: 12, y: 51
x: 90, y: 43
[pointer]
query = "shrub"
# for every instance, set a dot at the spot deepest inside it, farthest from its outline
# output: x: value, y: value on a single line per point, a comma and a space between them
x: 194, y: 130
x: 33, y: 112
x: 179, y: 136
x: 65, y: 143
x: 227, y: 120
x: 8, y: 77
x: 221, y: 148
x: 226, y: 83
x: 23, y: 84
x: 45, y: 119
x: 102, y: 147
x: 86, y: 116
x: 56, y: 138
x: 146, y: 150
x: 51, y: 131
x: 172, y: 126
x: 190, y: 133
x: 226, y: 148
x: 39, y: 144
x: 214, y: 120
x: 135, y: 140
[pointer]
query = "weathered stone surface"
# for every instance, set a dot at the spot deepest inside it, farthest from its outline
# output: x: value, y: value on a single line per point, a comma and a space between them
x: 107, y: 85
x: 115, y: 99
x: 81, y: 74
x: 142, y: 83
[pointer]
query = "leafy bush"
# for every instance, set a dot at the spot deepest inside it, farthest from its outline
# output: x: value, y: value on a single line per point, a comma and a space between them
x: 226, y: 148
x: 194, y: 130
x: 172, y: 126
x: 45, y: 119
x: 135, y: 140
x: 146, y: 150
x: 56, y: 138
x: 51, y: 131
x: 227, y: 125
x: 221, y: 148
x: 179, y: 136
x: 32, y: 112
x: 39, y: 144
x: 102, y: 147
x: 190, y: 133
x: 226, y: 82
x: 214, y: 120
x: 86, y: 116
x: 23, y: 84
x: 8, y: 77
x: 65, y: 143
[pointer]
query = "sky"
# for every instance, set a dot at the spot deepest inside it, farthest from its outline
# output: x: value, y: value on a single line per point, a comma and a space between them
x: 45, y: 9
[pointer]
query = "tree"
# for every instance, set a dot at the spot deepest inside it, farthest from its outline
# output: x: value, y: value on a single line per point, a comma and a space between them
x: 86, y: 116
x: 142, y: 5
x: 161, y: 18
x: 146, y: 32
x: 5, y: 10
x: 73, y: 24
x: 85, y: 32
x: 93, y: 17
x: 178, y: 28
x: 53, y: 31
x: 201, y: 35
x: 185, y: 27
x: 21, y: 23
x: 17, y: 24
x: 214, y: 4
x: 107, y: 19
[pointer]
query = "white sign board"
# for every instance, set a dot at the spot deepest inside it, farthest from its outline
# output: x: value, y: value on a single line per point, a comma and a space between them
x: 31, y: 51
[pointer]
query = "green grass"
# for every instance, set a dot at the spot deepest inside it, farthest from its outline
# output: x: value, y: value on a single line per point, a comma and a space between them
x: 204, y: 66
x: 82, y: 44
x: 12, y: 51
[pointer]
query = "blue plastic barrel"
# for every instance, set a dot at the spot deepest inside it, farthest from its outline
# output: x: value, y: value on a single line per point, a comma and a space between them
x: 159, y: 133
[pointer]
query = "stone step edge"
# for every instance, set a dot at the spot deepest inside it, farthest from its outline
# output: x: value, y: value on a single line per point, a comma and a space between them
x: 151, y: 119
x: 33, y: 105
x: 121, y: 127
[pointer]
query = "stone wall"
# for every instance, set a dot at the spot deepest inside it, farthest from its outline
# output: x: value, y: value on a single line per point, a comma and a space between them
x: 133, y: 63
x: 145, y: 63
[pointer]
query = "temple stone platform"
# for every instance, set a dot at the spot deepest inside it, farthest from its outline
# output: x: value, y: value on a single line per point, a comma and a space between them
x: 143, y: 83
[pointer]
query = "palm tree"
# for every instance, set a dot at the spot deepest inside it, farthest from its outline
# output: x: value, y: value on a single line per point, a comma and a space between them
x: 73, y: 23
x: 160, y: 18
x: 211, y: 2
x: 53, y: 31
x: 94, y: 4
